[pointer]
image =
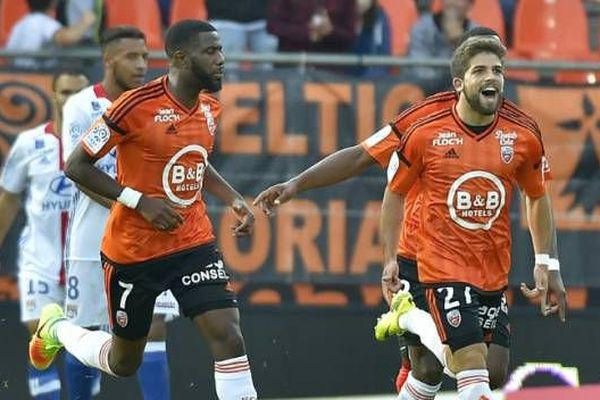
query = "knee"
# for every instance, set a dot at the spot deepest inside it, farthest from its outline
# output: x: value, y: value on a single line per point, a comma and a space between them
x: 469, y: 357
x: 231, y: 338
x: 427, y: 373
x: 124, y: 366
x: 425, y: 366
x: 228, y: 339
x: 427, y: 370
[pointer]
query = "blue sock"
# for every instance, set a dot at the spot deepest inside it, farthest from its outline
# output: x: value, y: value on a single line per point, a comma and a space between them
x: 44, y: 385
x: 154, y: 372
x: 80, y: 380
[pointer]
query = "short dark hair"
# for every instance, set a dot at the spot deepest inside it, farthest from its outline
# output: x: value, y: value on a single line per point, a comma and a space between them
x: 180, y: 34
x: 66, y: 71
x: 463, y: 54
x: 119, y: 32
x: 477, y: 31
x: 39, y: 5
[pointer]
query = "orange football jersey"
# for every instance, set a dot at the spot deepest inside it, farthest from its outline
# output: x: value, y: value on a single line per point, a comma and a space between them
x: 382, y: 144
x: 466, y: 183
x: 162, y: 151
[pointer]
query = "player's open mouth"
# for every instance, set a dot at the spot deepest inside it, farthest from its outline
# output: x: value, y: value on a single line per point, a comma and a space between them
x: 489, y: 92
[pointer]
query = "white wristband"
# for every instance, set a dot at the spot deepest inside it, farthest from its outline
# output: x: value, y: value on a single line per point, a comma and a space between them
x: 129, y: 197
x: 542, y: 259
x: 554, y: 265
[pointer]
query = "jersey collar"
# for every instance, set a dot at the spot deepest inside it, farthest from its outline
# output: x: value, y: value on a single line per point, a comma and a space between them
x: 99, y: 91
x: 468, y: 131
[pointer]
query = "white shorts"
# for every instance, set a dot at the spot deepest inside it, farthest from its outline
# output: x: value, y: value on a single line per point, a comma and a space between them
x: 35, y: 292
x: 85, y: 303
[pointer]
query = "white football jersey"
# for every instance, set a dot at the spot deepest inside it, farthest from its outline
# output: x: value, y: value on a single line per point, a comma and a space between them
x: 88, y: 218
x: 34, y: 167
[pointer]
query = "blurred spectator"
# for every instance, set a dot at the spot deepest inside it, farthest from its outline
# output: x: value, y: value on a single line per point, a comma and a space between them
x: 76, y: 11
x: 373, y: 29
x: 242, y: 26
x: 40, y: 30
x: 436, y: 35
x: 313, y: 25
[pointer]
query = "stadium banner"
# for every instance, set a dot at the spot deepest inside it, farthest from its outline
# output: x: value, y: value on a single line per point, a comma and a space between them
x: 324, y: 247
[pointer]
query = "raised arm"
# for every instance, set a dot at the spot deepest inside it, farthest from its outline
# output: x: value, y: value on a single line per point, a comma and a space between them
x: 334, y: 168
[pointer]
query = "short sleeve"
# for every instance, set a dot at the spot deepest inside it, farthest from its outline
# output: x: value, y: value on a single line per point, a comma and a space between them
x: 111, y: 129
x: 75, y: 123
x: 14, y: 173
x: 530, y: 174
x: 406, y: 164
x: 381, y: 145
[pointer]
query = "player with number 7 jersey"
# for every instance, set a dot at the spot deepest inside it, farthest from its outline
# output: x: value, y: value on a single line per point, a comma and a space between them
x: 158, y: 235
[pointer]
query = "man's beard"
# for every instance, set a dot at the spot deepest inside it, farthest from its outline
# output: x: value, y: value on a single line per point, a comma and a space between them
x: 475, y: 102
x: 206, y: 81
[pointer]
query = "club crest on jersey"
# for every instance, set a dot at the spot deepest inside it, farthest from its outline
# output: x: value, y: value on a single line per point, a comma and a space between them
x: 447, y: 139
x: 166, y: 115
x: 507, y: 142
x: 122, y: 318
x: 210, y: 120
x: 454, y: 318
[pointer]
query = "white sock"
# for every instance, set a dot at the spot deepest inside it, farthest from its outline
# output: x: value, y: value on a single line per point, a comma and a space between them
x: 414, y: 389
x: 89, y: 347
x: 474, y: 384
x: 233, y: 379
x: 420, y: 323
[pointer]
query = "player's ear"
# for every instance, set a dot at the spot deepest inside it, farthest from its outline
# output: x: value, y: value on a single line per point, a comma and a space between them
x: 458, y: 84
x: 180, y: 59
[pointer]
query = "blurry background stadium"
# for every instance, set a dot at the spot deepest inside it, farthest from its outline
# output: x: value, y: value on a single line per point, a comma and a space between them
x: 308, y: 280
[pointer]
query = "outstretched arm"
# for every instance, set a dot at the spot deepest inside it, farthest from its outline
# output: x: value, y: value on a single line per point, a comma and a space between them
x: 334, y: 168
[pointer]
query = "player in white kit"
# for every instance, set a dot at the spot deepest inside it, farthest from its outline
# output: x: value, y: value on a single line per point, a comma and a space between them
x: 125, y: 63
x: 33, y: 172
